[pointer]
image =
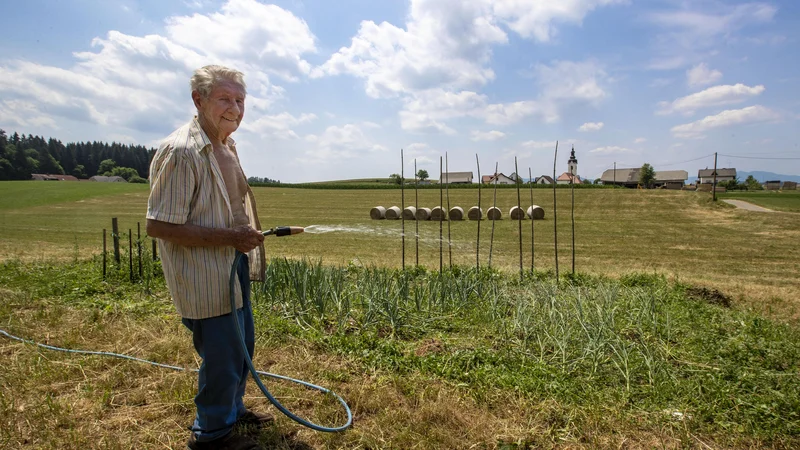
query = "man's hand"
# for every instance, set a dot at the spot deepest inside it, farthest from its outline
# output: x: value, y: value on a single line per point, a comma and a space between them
x: 246, y: 238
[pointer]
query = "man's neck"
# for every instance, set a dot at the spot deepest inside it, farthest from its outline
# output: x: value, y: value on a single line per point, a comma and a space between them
x: 212, y: 132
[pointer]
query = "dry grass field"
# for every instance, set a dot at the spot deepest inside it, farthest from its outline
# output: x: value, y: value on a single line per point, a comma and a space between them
x: 628, y: 364
x: 753, y: 256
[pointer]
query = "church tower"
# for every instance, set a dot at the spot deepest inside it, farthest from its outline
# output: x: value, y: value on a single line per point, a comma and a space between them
x: 573, y: 163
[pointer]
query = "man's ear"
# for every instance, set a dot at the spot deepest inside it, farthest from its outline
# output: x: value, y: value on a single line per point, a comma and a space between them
x: 197, y: 98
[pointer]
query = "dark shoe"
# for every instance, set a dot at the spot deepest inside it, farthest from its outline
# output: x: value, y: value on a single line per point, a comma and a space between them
x: 255, y: 419
x: 231, y: 441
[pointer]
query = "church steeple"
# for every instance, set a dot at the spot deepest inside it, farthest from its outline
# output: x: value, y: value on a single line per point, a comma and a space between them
x: 573, y: 163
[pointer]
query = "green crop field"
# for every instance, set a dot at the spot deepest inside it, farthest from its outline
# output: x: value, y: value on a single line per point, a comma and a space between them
x: 679, y: 330
x: 681, y: 234
x: 786, y: 201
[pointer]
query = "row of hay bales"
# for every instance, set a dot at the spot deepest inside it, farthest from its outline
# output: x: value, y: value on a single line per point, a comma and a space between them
x: 456, y: 213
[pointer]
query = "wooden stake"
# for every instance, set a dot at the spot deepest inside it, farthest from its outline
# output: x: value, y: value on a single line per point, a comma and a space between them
x: 447, y: 213
x: 519, y: 222
x: 530, y: 180
x: 416, y: 207
x: 478, y: 240
x: 555, y: 216
x: 494, y: 205
x: 402, y: 209
x: 441, y: 205
x: 139, y: 247
x: 115, y: 237
x: 104, y: 254
x: 130, y: 252
x: 572, y: 214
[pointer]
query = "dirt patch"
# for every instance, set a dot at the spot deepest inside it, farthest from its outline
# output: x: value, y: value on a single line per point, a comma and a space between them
x: 429, y: 346
x: 713, y: 296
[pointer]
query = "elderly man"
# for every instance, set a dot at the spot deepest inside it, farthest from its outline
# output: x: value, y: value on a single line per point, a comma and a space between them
x: 201, y: 210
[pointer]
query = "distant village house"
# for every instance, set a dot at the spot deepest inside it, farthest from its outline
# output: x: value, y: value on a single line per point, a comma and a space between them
x: 706, y: 176
x: 457, y: 177
x: 103, y: 179
x: 52, y: 177
x: 668, y: 179
x: 501, y: 179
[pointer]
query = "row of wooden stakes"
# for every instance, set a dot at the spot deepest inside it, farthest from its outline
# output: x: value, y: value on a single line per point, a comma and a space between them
x: 456, y: 213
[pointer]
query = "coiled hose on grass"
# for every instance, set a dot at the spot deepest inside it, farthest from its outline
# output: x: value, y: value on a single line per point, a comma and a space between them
x: 282, y: 231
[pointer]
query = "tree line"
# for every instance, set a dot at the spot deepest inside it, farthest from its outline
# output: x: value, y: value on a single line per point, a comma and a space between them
x: 21, y: 156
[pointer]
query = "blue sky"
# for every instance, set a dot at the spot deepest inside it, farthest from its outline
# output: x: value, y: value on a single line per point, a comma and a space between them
x: 336, y: 89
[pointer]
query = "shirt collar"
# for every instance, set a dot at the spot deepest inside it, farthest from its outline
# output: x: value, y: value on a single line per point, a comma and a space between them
x: 202, y: 142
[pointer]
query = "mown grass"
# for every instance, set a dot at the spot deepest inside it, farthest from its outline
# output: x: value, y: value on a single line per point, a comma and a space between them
x: 753, y: 257
x: 426, y: 360
x: 787, y: 201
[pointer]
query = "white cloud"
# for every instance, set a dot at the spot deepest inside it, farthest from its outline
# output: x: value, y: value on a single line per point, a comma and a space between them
x: 537, y: 18
x: 563, y: 84
x: 713, y: 96
x: 661, y: 82
x: 724, y: 19
x: 446, y: 43
x: 591, y: 126
x: 639, y: 140
x: 487, y: 135
x: 539, y: 144
x: 277, y: 126
x: 246, y: 30
x: 345, y: 142
x: 441, y: 59
x: 610, y: 150
x: 422, y: 153
x: 24, y: 114
x: 749, y: 115
x: 692, y: 32
x: 701, y: 75
x: 134, y: 83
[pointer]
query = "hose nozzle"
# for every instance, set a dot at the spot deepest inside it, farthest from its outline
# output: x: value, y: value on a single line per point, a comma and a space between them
x: 283, y: 231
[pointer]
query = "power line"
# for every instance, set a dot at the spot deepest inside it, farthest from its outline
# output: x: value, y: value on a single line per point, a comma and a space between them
x: 757, y: 157
x: 684, y: 162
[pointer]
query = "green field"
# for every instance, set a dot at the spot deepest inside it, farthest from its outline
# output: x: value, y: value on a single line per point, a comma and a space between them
x: 786, y: 201
x: 680, y: 329
x: 681, y: 234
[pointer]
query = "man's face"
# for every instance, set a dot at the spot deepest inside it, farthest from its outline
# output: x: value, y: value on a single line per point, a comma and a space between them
x: 224, y: 108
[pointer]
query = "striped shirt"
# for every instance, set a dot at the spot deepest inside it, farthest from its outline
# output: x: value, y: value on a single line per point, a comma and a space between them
x: 187, y: 187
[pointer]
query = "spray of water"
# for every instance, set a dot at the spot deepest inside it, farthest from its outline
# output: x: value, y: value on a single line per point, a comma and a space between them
x: 319, y: 229
x: 426, y: 241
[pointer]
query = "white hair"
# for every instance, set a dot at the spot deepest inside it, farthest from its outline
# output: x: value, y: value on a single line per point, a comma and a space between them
x: 205, y: 78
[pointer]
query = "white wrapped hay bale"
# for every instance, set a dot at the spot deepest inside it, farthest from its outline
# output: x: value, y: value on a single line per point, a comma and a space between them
x: 438, y: 214
x: 536, y: 212
x: 456, y: 213
x: 393, y: 213
x: 516, y: 213
x: 423, y: 214
x: 475, y: 213
x: 377, y: 213
x: 410, y: 213
x: 494, y: 213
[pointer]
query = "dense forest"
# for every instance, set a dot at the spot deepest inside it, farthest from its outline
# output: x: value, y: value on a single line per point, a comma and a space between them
x: 21, y: 156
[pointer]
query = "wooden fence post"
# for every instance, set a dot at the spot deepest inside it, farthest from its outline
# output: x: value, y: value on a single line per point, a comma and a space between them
x: 115, y: 237
x: 139, y: 247
x: 104, y: 254
x: 130, y: 252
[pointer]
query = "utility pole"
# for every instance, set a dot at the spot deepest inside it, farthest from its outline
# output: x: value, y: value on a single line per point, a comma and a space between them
x: 615, y: 173
x: 714, y: 186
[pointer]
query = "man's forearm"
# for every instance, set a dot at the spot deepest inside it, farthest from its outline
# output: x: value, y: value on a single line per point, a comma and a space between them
x: 189, y: 235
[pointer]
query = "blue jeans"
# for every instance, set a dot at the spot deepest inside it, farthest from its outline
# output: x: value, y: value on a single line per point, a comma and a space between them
x: 223, y: 373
